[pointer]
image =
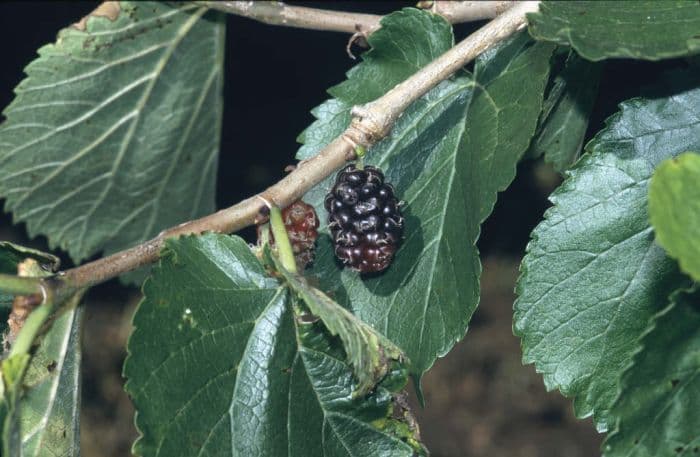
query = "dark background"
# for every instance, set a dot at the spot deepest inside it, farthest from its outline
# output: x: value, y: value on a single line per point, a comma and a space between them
x: 480, y: 400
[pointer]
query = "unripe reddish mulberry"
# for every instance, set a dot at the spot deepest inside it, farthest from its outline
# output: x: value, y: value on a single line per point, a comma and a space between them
x: 301, y: 223
x: 364, y: 219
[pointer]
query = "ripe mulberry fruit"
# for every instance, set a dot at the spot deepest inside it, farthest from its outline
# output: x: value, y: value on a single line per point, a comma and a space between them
x: 364, y: 219
x: 301, y: 223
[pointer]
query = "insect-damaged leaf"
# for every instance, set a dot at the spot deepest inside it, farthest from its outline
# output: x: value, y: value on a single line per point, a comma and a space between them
x: 218, y: 365
x: 369, y: 353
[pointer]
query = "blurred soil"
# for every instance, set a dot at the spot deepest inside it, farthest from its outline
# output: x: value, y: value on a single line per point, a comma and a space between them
x: 481, y: 401
x: 107, y: 415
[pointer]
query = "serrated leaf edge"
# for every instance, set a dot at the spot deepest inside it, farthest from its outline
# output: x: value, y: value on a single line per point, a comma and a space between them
x: 641, y: 348
x: 590, y: 152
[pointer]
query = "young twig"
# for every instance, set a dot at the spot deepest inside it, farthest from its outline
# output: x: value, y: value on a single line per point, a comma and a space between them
x: 458, y: 12
x: 370, y: 124
x: 277, y: 13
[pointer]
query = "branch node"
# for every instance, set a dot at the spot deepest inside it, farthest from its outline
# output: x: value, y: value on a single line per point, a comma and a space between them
x: 264, y: 211
x: 360, y: 38
x: 262, y: 218
x: 349, y: 141
x: 267, y: 203
x: 367, y: 122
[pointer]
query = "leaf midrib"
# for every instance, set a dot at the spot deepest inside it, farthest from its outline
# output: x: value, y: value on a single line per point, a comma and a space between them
x: 162, y: 62
x: 324, y: 411
x: 246, y: 354
x: 178, y: 152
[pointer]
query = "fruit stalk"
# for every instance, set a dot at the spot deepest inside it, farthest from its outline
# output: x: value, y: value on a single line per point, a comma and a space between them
x: 284, y: 247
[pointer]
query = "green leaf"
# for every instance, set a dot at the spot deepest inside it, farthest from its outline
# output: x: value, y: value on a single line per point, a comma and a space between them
x: 564, y: 121
x: 658, y: 403
x: 114, y: 133
x: 41, y: 394
x: 593, y: 276
x: 50, y: 405
x: 648, y: 29
x: 674, y: 209
x: 369, y: 353
x: 218, y: 365
x: 39, y: 403
x: 448, y: 156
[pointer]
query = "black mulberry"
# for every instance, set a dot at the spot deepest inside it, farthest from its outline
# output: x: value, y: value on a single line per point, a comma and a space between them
x: 364, y: 219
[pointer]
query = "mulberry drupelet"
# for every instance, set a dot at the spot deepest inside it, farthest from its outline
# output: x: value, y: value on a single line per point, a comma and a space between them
x: 364, y: 219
